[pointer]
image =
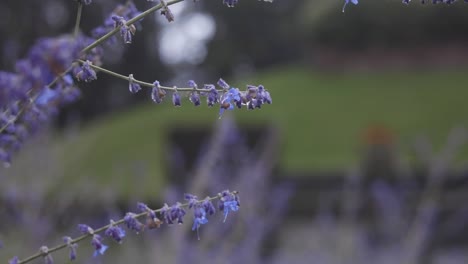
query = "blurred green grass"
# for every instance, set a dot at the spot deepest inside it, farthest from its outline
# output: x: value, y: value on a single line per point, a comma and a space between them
x: 322, y: 117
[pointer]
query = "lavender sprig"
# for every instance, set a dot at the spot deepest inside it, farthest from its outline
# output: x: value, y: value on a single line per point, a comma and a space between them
x: 228, y: 97
x: 114, y: 231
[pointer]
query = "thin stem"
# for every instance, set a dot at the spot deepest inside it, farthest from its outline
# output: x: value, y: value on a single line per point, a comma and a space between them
x: 121, y: 221
x: 123, y: 77
x: 78, y: 19
x: 129, y: 22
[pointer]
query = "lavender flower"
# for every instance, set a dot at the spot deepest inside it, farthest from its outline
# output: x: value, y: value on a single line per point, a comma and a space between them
x: 115, y: 231
x: 85, y: 229
x: 166, y: 11
x: 195, y: 98
x: 228, y: 202
x: 228, y: 100
x: 47, y: 257
x: 175, y: 212
x: 86, y: 73
x: 99, y: 247
x: 176, y: 98
x: 132, y: 86
x: 133, y: 223
x: 125, y: 31
x: 212, y: 95
x: 223, y: 84
x: 71, y: 246
x: 119, y: 17
x: 157, y: 94
x: 208, y: 206
x: 355, y: 2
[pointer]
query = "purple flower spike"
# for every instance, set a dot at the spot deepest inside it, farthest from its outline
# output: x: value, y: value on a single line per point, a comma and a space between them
x: 72, y: 247
x: 14, y: 260
x: 132, y: 86
x: 86, y: 73
x: 99, y: 247
x: 132, y: 223
x: 116, y: 232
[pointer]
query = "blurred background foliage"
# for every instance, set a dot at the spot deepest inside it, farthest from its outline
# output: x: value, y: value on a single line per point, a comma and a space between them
x: 381, y: 73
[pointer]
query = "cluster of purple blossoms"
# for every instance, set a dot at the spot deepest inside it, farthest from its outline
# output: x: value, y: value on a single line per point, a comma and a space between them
x: 228, y: 201
x: 26, y: 97
x: 228, y: 97
x: 45, y: 80
x: 118, y: 18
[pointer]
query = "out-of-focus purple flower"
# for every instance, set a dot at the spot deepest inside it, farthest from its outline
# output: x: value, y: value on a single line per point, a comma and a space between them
x: 47, y: 95
x: 115, y: 232
x: 14, y: 260
x: 355, y: 2
x: 26, y: 99
x: 71, y: 246
x: 99, y: 247
x: 132, y: 86
x: 133, y: 223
